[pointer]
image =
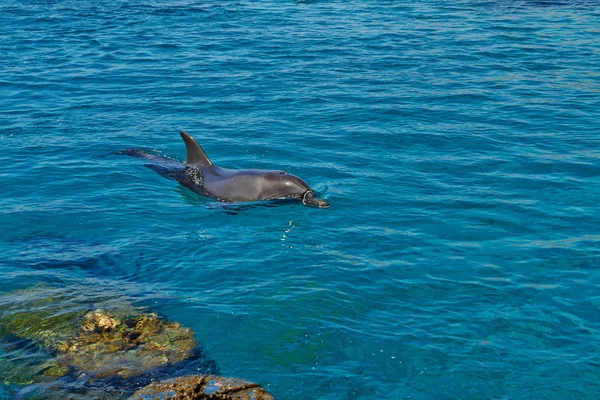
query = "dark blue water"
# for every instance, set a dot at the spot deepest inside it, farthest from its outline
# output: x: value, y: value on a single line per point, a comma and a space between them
x: 457, y: 142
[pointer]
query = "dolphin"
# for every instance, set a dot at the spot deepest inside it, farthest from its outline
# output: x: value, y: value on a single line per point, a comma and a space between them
x: 229, y: 185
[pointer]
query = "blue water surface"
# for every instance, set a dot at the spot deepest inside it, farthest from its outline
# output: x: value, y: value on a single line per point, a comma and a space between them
x: 458, y: 143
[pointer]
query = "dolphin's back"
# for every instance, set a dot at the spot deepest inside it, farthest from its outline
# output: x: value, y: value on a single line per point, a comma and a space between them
x: 236, y: 184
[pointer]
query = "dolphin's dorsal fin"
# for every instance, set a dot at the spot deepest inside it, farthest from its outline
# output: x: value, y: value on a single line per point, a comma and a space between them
x: 195, y: 154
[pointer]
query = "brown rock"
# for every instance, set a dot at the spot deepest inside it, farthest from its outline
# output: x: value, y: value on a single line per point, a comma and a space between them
x: 202, y: 387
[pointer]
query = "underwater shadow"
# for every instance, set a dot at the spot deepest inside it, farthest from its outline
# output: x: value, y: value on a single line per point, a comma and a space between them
x: 47, y: 251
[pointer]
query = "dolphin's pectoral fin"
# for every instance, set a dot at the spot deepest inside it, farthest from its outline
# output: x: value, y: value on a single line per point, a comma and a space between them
x: 195, y: 153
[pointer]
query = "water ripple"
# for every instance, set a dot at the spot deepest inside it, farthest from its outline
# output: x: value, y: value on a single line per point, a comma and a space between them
x: 456, y: 142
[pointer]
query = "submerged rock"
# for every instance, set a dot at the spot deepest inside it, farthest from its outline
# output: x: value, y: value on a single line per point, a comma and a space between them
x: 70, y: 392
x: 202, y: 387
x: 23, y: 364
x: 121, y: 341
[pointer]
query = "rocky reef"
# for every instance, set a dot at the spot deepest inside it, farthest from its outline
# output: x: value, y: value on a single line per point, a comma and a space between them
x: 125, y: 345
x: 77, y: 349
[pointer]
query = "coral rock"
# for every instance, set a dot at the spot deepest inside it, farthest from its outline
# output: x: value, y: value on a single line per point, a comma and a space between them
x: 99, y: 321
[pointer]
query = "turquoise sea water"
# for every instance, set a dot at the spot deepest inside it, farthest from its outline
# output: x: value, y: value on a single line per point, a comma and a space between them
x: 458, y: 144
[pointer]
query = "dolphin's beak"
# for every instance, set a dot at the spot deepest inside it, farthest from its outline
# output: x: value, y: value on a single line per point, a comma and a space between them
x: 309, y: 199
x: 321, y: 203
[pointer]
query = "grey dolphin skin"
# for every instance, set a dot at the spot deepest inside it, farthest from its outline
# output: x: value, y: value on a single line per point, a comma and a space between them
x: 203, y: 177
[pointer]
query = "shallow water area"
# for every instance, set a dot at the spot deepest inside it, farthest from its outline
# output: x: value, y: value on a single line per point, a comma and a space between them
x: 457, y: 144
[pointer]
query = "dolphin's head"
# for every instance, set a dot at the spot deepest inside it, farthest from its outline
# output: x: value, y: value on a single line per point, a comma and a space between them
x: 283, y: 184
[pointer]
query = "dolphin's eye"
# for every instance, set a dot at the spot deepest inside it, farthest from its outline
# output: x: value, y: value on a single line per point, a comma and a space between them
x: 282, y: 173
